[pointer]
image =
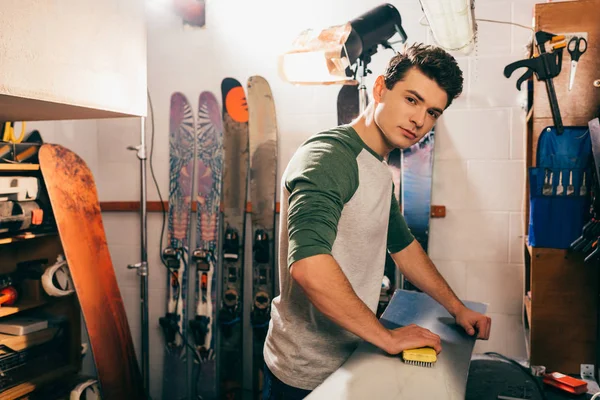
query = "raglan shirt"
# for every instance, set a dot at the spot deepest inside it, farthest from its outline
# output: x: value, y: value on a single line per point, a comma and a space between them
x: 336, y: 198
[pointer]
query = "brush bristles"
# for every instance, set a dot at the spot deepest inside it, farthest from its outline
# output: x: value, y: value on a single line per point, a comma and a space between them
x: 419, y: 363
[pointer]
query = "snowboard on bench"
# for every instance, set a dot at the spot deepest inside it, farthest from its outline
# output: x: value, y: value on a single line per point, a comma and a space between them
x: 370, y: 373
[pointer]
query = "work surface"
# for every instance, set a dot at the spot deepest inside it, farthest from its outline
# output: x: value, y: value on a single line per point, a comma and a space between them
x: 370, y: 373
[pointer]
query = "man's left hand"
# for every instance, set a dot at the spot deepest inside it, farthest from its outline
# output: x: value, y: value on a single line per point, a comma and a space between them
x: 473, y: 321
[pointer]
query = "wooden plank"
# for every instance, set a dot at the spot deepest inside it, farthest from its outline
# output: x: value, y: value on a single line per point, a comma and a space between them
x: 21, y: 306
x: 37, y: 382
x: 155, y: 206
x: 564, y: 301
x: 19, y: 167
x: 583, y: 100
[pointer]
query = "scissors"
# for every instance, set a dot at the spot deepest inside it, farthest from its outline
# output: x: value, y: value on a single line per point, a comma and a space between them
x: 577, y: 46
x: 9, y: 133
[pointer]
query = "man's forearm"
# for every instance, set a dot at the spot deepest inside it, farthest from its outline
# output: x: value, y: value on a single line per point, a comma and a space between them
x: 331, y: 293
x: 417, y: 267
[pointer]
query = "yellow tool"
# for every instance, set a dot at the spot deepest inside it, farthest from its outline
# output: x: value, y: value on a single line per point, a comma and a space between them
x: 9, y: 133
x: 423, y: 357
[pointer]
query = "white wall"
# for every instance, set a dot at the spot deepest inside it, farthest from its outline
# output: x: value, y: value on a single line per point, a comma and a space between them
x: 479, y: 156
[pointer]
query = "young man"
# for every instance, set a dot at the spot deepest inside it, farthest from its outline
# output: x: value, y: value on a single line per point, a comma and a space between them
x: 339, y: 217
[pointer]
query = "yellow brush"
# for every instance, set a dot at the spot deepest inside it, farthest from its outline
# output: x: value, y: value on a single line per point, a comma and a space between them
x: 423, y: 357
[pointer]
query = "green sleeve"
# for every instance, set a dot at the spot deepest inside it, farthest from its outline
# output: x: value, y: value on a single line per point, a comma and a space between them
x: 399, y: 236
x: 321, y: 177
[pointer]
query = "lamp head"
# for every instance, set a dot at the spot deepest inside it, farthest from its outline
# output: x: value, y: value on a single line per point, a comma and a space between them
x: 326, y: 56
x: 373, y: 28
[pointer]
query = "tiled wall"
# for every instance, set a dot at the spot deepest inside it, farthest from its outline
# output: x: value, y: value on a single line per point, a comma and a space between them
x: 479, y: 155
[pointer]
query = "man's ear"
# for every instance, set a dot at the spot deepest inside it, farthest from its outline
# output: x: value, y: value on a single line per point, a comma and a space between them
x: 378, y: 89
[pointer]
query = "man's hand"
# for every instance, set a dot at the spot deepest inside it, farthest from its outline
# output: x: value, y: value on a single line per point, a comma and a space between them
x: 411, y: 337
x: 473, y: 321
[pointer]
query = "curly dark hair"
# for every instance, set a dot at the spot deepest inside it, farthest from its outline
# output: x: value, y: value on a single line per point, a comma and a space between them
x: 432, y: 61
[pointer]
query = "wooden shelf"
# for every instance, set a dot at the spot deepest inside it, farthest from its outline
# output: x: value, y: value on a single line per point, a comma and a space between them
x: 19, y: 167
x: 35, y: 383
x: 25, y: 236
x: 22, y: 306
x: 155, y: 206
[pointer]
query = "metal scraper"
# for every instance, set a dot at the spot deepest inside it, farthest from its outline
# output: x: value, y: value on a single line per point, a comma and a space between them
x: 570, y: 188
x: 547, y: 188
x: 559, y: 188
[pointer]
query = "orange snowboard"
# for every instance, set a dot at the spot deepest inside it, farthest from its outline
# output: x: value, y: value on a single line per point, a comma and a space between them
x: 74, y: 201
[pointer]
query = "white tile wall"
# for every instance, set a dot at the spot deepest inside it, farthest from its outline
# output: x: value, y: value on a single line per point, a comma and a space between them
x: 468, y: 134
x: 478, y: 168
x: 506, y: 334
x: 500, y: 285
x: 493, y: 183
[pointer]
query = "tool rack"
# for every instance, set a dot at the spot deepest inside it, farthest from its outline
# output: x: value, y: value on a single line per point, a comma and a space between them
x: 560, y: 311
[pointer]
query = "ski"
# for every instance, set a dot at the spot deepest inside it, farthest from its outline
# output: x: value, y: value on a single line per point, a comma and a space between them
x: 235, y: 175
x: 417, y: 170
x: 209, y: 162
x: 175, y: 255
x: 263, y: 176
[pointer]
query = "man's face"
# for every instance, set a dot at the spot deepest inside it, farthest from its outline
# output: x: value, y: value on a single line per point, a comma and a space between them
x: 408, y: 111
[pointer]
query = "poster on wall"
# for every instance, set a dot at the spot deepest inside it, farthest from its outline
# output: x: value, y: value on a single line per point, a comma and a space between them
x: 192, y: 12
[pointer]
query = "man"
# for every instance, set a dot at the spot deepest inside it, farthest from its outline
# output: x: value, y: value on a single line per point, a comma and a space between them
x: 339, y: 217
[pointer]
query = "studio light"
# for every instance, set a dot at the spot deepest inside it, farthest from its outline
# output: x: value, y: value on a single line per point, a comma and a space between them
x: 340, y: 53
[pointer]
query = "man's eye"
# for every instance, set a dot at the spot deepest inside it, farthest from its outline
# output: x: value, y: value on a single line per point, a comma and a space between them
x: 411, y: 100
x: 433, y: 114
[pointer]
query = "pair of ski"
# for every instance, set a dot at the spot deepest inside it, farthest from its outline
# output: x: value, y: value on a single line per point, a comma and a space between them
x: 219, y: 167
x: 411, y: 171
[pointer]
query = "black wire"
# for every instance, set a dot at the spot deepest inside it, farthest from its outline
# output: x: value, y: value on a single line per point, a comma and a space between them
x: 527, y: 371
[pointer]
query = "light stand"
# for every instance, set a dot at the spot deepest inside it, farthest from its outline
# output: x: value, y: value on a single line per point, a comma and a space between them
x: 142, y: 266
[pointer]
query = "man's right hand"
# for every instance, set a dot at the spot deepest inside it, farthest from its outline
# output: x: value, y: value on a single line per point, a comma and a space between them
x: 411, y: 337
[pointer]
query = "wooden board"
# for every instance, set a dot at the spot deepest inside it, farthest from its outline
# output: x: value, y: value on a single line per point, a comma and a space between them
x: 562, y: 18
x: 74, y: 201
x: 564, y: 293
x: 372, y: 374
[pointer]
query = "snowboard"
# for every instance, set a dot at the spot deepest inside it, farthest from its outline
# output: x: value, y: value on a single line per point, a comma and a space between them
x: 74, y: 200
x: 175, y: 256
x: 209, y: 163
x: 235, y: 176
x: 263, y: 176
x: 417, y: 171
x: 348, y: 107
x: 370, y: 373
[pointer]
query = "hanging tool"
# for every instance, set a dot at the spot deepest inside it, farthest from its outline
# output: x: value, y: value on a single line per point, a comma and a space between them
x: 9, y: 132
x: 577, y: 46
x: 546, y: 66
